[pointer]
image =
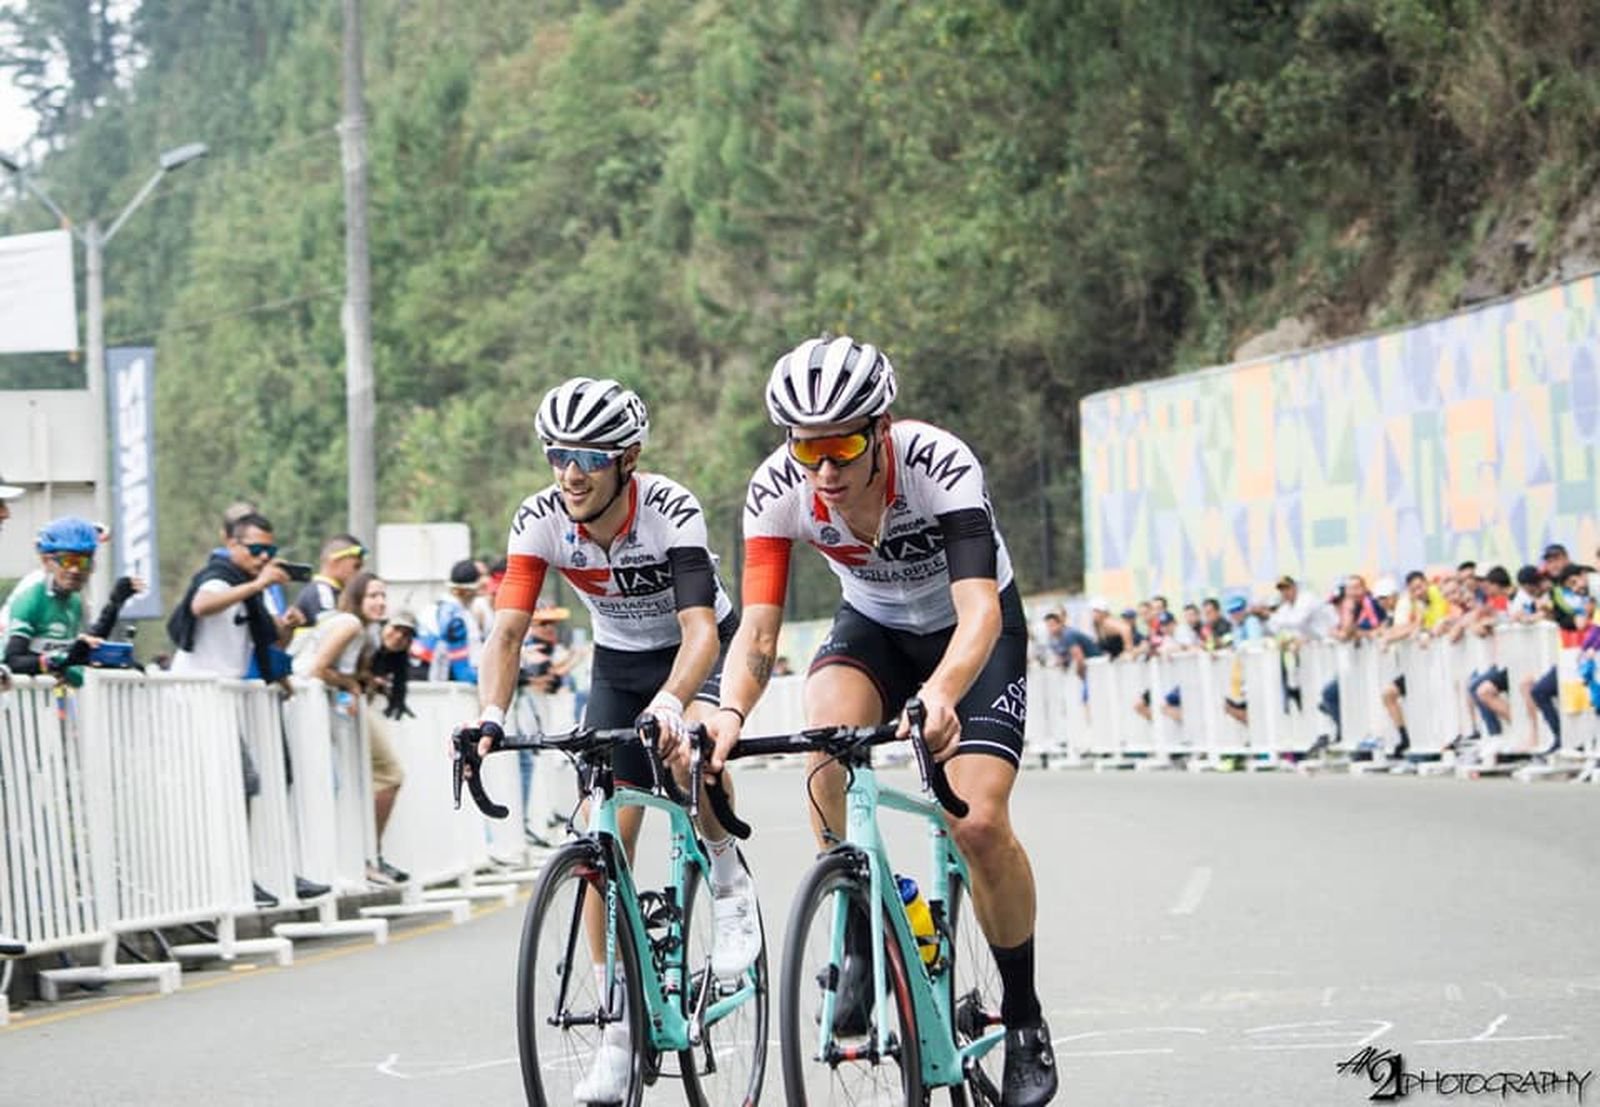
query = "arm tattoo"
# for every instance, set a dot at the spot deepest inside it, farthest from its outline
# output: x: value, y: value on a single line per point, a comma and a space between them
x: 761, y: 667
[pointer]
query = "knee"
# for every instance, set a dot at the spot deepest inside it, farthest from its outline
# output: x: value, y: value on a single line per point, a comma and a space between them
x: 984, y: 834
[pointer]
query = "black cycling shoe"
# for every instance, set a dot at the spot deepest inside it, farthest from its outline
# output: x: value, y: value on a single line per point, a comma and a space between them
x: 1030, y: 1073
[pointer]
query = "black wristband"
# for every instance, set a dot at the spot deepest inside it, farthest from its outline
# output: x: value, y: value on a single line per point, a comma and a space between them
x: 735, y: 710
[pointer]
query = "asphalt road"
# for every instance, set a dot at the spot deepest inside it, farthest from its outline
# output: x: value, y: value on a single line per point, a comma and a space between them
x: 1206, y: 940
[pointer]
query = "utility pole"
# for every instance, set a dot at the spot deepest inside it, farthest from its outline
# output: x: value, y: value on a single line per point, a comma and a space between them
x: 358, y: 386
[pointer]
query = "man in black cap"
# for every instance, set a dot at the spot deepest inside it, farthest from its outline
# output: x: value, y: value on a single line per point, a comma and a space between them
x: 457, y: 638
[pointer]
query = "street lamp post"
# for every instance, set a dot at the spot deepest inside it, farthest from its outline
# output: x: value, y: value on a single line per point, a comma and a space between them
x: 94, y: 245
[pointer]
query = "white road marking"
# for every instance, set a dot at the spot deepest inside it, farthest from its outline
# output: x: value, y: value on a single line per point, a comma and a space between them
x: 1489, y: 1035
x: 1193, y: 891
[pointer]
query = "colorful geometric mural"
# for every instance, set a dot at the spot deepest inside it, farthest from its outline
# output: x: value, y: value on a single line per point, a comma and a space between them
x: 1473, y: 436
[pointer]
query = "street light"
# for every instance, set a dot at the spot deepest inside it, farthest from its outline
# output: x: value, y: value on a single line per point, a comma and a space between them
x: 94, y: 244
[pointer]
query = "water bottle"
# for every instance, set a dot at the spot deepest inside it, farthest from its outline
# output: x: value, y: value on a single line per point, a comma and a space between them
x: 921, y: 919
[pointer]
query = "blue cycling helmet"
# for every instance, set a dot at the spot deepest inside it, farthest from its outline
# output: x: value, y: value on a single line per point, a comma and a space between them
x: 68, y: 535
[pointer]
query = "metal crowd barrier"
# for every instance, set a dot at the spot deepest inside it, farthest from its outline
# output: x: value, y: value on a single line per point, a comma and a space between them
x: 123, y: 808
x: 1170, y: 709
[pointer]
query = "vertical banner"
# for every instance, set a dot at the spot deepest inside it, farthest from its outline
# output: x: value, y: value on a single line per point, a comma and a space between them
x: 131, y: 394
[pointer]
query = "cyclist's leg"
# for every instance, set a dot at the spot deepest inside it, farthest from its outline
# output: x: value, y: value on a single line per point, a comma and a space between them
x: 856, y: 679
x: 984, y: 772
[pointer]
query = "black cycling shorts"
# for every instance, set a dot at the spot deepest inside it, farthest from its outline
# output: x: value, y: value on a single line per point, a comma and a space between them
x: 622, y: 684
x: 995, y: 708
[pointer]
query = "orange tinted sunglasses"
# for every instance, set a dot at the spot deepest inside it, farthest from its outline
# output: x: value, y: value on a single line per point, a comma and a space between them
x: 841, y: 449
x: 75, y: 562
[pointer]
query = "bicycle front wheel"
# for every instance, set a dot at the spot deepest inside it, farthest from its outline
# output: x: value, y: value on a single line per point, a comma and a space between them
x: 728, y: 1066
x: 841, y: 1064
x: 975, y: 999
x: 567, y: 1008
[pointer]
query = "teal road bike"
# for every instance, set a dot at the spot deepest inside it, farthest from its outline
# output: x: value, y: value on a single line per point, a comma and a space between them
x: 597, y: 951
x: 866, y: 1014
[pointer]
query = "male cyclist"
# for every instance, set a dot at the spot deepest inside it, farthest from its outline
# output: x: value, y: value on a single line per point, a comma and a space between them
x: 634, y: 547
x: 929, y: 608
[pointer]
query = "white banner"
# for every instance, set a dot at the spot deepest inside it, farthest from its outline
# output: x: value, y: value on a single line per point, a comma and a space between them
x: 38, y: 301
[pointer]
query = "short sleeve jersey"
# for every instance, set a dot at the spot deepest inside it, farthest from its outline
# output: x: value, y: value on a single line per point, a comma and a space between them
x: 48, y: 619
x: 903, y: 581
x: 631, y: 589
x: 222, y: 645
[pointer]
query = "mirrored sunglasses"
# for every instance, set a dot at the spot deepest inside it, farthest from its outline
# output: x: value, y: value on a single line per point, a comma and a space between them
x: 589, y: 461
x: 262, y: 549
x: 841, y: 449
x: 359, y: 552
x: 75, y: 562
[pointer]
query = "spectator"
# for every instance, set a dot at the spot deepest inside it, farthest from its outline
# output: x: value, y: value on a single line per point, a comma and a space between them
x: 340, y: 656
x: 391, y: 668
x: 455, y: 639
x: 222, y: 623
x: 1187, y: 633
x: 342, y: 557
x: 494, y: 571
x: 543, y: 669
x: 1360, y: 616
x: 275, y: 597
x: 45, y: 634
x: 1113, y: 633
x: 782, y: 666
x: 1216, y: 632
x: 1529, y: 598
x: 1067, y: 646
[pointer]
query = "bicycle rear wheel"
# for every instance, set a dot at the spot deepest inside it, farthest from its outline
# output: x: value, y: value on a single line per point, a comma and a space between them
x: 975, y: 999
x: 728, y: 1066
x: 840, y: 1068
x: 561, y: 1002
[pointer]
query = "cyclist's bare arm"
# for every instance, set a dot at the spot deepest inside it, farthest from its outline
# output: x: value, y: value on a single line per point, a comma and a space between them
x: 497, y: 665
x: 697, y: 653
x: 745, y: 673
x: 977, y: 604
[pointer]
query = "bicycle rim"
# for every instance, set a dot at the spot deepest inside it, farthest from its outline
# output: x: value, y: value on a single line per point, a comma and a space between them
x: 808, y: 965
x: 558, y: 993
x: 975, y: 999
x: 728, y: 1066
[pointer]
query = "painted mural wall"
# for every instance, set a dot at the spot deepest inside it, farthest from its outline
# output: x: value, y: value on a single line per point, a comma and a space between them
x: 1473, y: 436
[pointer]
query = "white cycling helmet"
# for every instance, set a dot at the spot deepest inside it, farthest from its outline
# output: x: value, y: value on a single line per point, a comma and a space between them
x: 593, y: 413
x: 826, y: 380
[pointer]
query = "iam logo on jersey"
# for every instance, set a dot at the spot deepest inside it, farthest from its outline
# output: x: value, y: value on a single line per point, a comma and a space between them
x: 829, y: 535
x: 579, y: 559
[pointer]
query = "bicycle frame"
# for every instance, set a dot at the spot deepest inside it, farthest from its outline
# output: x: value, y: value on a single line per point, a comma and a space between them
x: 669, y: 1029
x: 943, y: 1064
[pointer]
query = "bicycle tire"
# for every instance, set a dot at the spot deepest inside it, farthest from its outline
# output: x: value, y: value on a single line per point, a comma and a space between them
x: 975, y: 992
x: 554, y: 1057
x: 712, y: 1074
x: 805, y: 961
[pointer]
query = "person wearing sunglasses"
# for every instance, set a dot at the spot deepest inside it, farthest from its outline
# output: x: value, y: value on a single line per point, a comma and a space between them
x: 223, y: 620
x: 45, y: 633
x: 900, y: 512
x: 634, y: 547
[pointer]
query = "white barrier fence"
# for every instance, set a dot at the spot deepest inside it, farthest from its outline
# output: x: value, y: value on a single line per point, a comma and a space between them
x: 1289, y: 701
x: 123, y: 804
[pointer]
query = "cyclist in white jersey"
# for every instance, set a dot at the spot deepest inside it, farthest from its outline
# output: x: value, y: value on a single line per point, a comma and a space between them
x: 634, y: 547
x: 900, y: 511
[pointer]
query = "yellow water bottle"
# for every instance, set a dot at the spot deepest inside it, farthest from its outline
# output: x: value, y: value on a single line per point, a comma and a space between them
x: 921, y: 919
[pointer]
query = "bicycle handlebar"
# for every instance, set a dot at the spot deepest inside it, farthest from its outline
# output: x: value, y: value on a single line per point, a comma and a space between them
x: 594, y: 744
x: 844, y: 741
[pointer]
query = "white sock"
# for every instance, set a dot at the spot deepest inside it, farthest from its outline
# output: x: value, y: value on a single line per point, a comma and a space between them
x: 726, y: 870
x: 616, y: 1032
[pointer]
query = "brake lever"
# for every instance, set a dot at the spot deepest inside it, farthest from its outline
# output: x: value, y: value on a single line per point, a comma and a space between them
x: 937, y: 782
x: 464, y: 755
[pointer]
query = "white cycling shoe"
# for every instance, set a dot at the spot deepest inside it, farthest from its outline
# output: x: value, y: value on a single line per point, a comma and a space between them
x: 737, y: 917
x: 607, y: 1079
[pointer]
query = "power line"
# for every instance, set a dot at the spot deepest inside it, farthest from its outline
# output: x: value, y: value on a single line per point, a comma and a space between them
x: 253, y: 309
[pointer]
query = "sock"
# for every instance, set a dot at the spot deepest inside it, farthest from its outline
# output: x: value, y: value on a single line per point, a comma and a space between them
x: 1405, y: 739
x: 726, y: 868
x: 616, y: 1032
x: 1019, y: 1002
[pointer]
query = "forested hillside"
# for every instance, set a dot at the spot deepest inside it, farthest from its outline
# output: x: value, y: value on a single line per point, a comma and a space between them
x: 1022, y: 201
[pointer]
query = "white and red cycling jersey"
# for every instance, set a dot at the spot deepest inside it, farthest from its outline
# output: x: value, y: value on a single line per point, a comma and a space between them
x: 938, y: 527
x: 658, y: 565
